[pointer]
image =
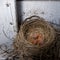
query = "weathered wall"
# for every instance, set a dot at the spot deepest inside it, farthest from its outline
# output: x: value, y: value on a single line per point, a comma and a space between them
x: 49, y: 10
x: 7, y: 20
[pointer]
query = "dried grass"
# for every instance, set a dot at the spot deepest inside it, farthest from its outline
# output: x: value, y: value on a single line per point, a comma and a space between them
x: 23, y: 47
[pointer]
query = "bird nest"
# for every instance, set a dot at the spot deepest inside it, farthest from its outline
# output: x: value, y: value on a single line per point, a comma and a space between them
x: 35, y: 33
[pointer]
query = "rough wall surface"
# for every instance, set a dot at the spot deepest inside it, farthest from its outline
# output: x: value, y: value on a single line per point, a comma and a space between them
x: 50, y: 10
x: 7, y: 21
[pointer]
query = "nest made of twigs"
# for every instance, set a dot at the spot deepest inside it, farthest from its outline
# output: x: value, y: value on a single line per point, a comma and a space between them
x: 35, y: 33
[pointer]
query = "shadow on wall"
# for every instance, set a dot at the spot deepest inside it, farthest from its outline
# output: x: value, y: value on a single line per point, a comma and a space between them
x: 19, y: 14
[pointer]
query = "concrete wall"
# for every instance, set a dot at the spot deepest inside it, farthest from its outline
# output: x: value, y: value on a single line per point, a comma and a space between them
x: 49, y: 10
x: 7, y: 22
